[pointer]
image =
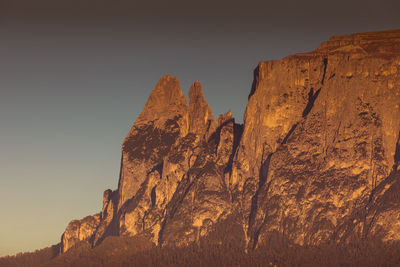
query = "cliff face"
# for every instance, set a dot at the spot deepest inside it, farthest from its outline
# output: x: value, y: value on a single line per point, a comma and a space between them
x: 320, y: 135
x: 316, y: 159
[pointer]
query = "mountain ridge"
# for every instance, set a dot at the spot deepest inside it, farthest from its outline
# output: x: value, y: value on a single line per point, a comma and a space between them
x: 315, y: 160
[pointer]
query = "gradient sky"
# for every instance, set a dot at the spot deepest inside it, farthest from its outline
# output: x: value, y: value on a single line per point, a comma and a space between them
x: 74, y: 76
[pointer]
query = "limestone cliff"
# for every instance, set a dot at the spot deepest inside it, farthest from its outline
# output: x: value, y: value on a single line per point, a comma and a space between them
x: 320, y: 136
x: 315, y: 160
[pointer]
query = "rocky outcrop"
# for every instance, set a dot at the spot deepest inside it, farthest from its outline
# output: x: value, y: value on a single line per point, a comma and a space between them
x: 315, y: 161
x: 201, y: 119
x: 78, y: 231
x: 106, y: 226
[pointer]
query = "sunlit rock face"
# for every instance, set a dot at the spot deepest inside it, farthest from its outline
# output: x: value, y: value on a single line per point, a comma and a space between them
x: 163, y: 119
x: 202, y: 197
x: 320, y: 135
x: 315, y: 160
x: 201, y: 119
x: 78, y: 231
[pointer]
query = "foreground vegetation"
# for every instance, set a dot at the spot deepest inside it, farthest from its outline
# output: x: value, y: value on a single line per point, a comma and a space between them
x: 124, y: 251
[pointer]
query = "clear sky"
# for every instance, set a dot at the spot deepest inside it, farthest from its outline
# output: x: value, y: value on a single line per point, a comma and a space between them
x: 74, y: 76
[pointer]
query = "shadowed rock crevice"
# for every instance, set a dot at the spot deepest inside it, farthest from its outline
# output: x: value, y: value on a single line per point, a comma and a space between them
x: 153, y: 196
x: 255, y: 81
x: 325, y: 66
x: 289, y: 133
x: 397, y: 154
x: 311, y: 99
x: 254, y: 233
x: 215, y: 137
x: 237, y: 136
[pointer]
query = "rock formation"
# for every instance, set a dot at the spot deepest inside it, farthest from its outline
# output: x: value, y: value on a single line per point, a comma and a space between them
x: 315, y: 161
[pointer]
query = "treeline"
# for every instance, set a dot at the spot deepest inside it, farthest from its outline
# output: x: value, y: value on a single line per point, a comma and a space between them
x: 124, y: 251
x: 35, y: 258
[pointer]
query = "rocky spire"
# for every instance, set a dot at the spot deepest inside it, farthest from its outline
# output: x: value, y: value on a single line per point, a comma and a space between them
x: 162, y: 121
x: 166, y: 101
x: 201, y: 119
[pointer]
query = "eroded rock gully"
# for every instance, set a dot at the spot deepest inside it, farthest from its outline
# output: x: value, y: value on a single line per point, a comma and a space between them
x: 315, y: 160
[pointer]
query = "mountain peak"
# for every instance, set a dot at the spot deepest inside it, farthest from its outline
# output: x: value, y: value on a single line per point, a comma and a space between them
x: 166, y: 101
x: 201, y: 118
